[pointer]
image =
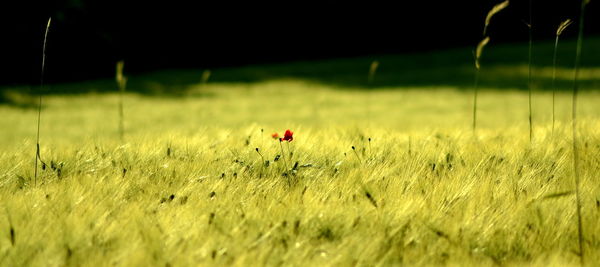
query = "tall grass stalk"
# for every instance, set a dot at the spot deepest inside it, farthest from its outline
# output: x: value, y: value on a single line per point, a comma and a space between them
x: 563, y: 25
x: 286, y: 171
x: 529, y: 25
x: 37, y: 138
x: 121, y: 83
x: 356, y: 154
x: 574, y: 124
x: 283, y: 155
x: 372, y: 71
x: 370, y: 79
x: 497, y: 8
x: 478, y: 53
x: 262, y: 162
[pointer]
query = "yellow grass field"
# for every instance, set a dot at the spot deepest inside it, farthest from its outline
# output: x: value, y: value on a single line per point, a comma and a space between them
x: 382, y: 170
x: 187, y: 187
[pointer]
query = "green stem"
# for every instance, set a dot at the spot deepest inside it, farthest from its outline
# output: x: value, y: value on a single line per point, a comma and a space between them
x: 529, y: 74
x: 121, y: 122
x: 37, y: 138
x: 554, y: 82
x: 283, y: 155
x: 575, y: 145
x: 476, y: 88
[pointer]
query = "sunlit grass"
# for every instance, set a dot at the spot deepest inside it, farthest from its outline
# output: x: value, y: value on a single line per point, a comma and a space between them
x: 455, y: 199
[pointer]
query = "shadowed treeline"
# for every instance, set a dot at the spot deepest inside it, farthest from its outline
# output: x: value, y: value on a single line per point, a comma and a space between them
x: 89, y: 36
x: 505, y: 68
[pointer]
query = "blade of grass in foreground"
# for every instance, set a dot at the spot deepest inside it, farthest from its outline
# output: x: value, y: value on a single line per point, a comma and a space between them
x: 37, y: 138
x: 121, y: 82
x: 574, y: 121
x: 497, y: 8
x: 478, y: 53
x: 529, y: 25
x: 563, y: 25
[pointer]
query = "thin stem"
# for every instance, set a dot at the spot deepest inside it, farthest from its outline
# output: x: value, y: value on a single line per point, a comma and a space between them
x: 283, y: 154
x: 529, y: 75
x: 476, y: 88
x: 121, y: 83
x: 370, y: 148
x: 37, y: 138
x: 355, y: 153
x: 262, y: 163
x: 575, y: 145
x: 37, y: 142
x: 121, y: 123
x: 554, y: 82
x: 285, y: 164
x: 262, y: 136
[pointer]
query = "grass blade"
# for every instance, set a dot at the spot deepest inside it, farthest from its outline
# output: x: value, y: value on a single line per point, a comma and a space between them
x: 37, y: 138
x: 121, y: 82
x: 478, y: 53
x: 574, y: 124
x: 529, y: 25
x: 558, y: 195
x: 563, y: 25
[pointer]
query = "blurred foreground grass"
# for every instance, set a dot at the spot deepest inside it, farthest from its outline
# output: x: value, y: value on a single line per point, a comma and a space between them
x: 187, y: 187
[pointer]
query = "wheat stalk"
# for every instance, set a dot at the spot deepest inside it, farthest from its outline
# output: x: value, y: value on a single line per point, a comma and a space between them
x: 497, y: 8
x: 574, y: 124
x: 121, y: 83
x: 529, y: 25
x: 563, y: 25
x: 478, y: 53
x: 37, y: 144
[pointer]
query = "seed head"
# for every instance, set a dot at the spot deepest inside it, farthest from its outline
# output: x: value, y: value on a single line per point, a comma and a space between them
x: 479, y: 50
x: 497, y: 8
x: 563, y: 25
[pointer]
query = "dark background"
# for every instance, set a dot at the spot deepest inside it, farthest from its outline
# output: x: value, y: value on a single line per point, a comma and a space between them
x: 87, y: 37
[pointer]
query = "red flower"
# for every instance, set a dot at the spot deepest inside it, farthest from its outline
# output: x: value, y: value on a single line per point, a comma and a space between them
x: 288, y: 136
x: 275, y: 135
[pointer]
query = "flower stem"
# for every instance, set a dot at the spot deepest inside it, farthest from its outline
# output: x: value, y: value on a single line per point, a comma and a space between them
x: 283, y: 155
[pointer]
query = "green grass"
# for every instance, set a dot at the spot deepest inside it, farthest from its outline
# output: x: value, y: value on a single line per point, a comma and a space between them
x: 455, y: 199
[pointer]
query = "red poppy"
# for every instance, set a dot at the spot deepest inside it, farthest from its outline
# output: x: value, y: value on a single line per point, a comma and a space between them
x: 275, y: 135
x: 288, y: 136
